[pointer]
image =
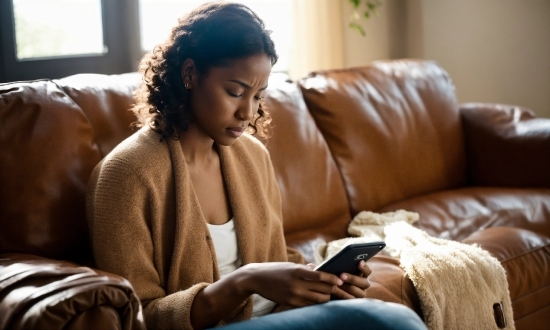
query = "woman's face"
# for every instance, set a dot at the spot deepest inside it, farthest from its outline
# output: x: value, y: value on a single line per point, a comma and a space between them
x: 225, y: 99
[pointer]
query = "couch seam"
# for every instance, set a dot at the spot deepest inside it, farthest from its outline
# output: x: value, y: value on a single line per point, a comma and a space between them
x: 538, y: 309
x: 532, y: 292
x: 525, y: 253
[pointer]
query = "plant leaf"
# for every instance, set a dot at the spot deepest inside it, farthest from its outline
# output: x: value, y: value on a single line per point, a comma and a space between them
x: 358, y: 27
x: 355, y: 3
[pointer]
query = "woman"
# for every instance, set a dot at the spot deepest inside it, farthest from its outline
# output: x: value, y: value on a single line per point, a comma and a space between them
x: 188, y: 209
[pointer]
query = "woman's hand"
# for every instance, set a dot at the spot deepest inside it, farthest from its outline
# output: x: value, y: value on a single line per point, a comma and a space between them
x: 354, y: 286
x: 291, y: 284
x: 285, y: 283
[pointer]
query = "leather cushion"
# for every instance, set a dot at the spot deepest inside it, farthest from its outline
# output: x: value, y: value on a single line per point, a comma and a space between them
x: 39, y: 293
x: 525, y: 257
x: 315, y: 208
x: 455, y: 214
x: 390, y: 283
x: 506, y: 146
x: 48, y: 153
x: 106, y: 102
x: 392, y: 127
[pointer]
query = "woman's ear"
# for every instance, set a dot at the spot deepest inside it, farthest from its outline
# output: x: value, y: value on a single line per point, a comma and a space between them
x: 187, y: 72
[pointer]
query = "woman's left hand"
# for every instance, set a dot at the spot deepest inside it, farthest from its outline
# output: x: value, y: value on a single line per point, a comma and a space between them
x: 354, y: 286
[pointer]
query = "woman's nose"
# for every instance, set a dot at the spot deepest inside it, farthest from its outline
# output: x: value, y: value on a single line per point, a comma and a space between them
x: 247, y: 110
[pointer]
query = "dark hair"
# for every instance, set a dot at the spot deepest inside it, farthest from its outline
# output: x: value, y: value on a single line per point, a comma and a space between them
x: 212, y: 35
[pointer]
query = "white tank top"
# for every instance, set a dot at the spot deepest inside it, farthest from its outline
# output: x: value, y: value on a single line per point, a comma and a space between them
x: 227, y: 254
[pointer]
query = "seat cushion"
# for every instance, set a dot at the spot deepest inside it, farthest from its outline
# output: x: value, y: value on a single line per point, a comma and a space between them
x: 455, y: 214
x: 390, y: 283
x: 525, y: 257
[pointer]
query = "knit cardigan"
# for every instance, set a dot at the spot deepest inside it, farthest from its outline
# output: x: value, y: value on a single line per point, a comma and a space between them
x: 146, y: 223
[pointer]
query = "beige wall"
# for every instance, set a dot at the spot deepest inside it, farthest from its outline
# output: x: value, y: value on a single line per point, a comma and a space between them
x: 494, y: 50
x: 359, y: 50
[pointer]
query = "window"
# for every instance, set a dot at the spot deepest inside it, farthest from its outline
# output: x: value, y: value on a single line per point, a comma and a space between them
x: 158, y: 16
x: 276, y: 16
x: 42, y: 30
x: 57, y: 38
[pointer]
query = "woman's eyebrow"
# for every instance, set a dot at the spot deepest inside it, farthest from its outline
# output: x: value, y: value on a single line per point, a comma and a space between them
x: 245, y: 85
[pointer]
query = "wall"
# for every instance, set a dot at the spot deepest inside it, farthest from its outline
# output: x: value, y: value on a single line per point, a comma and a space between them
x: 359, y: 50
x: 494, y: 50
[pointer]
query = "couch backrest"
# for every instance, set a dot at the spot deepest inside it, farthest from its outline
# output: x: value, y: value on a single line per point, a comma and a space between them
x: 52, y: 134
x: 393, y: 128
x: 315, y: 207
x: 378, y: 134
x: 105, y: 100
x: 48, y: 152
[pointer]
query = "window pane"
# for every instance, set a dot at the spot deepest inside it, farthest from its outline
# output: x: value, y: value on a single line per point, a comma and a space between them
x: 53, y: 28
x: 157, y: 17
x: 276, y: 17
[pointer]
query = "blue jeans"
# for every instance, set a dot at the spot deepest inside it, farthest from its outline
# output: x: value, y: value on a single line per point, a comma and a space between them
x: 339, y: 314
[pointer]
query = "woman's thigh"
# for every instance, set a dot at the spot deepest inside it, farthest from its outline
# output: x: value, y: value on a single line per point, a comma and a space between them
x: 340, y: 314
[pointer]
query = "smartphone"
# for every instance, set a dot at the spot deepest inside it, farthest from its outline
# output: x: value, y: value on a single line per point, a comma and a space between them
x: 348, y: 259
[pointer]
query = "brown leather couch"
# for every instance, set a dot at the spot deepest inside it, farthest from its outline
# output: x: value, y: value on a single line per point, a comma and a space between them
x: 383, y: 137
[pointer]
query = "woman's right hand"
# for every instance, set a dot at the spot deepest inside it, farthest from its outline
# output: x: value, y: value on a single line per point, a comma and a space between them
x: 289, y: 284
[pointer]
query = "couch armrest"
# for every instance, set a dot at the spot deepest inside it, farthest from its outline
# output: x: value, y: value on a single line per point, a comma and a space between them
x: 40, y: 293
x: 506, y: 146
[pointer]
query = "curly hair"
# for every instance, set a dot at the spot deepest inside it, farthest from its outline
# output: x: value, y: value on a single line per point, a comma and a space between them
x: 212, y: 35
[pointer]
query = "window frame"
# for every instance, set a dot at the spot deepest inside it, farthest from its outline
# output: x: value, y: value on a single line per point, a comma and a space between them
x: 120, y: 34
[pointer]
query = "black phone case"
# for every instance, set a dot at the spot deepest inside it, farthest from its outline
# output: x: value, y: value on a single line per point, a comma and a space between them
x: 347, y: 260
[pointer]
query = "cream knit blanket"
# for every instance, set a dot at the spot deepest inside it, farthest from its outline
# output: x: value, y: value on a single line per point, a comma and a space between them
x: 457, y: 284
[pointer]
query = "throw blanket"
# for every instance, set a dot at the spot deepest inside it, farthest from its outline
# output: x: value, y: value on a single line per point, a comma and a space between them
x: 457, y: 284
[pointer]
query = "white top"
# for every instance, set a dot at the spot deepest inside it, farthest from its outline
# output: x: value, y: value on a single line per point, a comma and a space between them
x: 227, y: 255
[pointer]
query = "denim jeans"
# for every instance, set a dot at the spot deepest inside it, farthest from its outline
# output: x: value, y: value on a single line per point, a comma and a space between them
x: 339, y: 314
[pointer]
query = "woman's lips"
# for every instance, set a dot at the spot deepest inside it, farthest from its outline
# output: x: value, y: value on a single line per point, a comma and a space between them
x: 236, y: 131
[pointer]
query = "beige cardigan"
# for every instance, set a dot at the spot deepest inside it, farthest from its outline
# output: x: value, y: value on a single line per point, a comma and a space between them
x: 147, y: 226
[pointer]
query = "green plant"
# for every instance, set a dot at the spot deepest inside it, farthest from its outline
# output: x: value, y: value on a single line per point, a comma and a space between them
x: 363, y: 8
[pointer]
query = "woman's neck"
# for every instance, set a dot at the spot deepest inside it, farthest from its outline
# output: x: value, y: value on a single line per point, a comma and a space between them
x: 197, y: 148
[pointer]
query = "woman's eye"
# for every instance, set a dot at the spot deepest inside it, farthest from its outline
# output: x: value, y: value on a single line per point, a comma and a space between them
x: 238, y: 96
x: 235, y: 95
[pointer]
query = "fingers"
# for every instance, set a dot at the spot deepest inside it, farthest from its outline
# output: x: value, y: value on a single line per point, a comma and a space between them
x: 356, y: 285
x: 365, y: 269
x: 354, y: 290
x: 359, y: 281
x: 314, y: 275
x: 342, y: 294
x: 310, y: 293
x: 321, y: 287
